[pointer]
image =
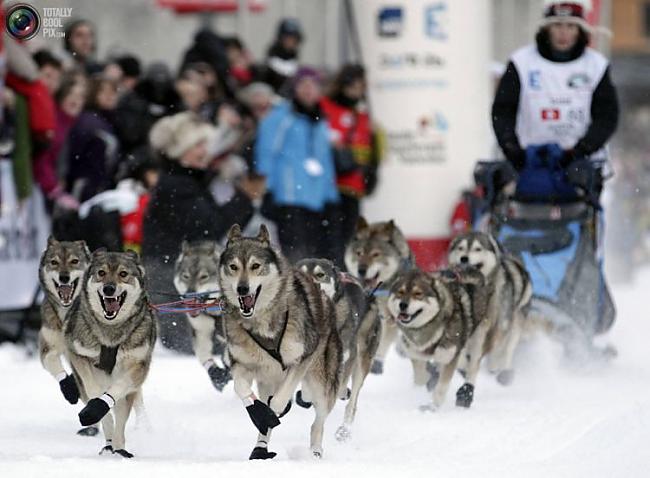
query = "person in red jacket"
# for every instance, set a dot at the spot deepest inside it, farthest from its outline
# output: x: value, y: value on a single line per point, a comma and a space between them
x: 355, y: 150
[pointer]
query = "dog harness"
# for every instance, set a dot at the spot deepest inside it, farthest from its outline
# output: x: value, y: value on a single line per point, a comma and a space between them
x: 272, y: 347
x: 107, y: 359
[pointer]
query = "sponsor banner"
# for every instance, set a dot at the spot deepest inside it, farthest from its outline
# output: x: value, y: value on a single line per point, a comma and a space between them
x: 24, y: 228
x: 429, y: 93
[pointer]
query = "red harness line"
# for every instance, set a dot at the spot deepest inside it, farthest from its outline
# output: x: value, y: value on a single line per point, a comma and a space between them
x: 187, y: 305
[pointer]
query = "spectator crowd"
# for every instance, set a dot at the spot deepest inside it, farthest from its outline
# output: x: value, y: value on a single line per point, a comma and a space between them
x: 130, y: 154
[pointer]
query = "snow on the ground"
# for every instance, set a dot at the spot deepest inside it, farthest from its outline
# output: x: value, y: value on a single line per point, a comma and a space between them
x: 551, y: 422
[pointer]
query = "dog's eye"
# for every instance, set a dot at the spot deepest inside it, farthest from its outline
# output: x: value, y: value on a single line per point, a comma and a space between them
x: 255, y: 266
x: 320, y: 275
x: 203, y: 277
x: 54, y: 262
x: 417, y: 295
x: 101, y: 273
x: 123, y: 274
x: 376, y: 254
x: 185, y: 276
x: 74, y: 262
x: 359, y: 253
x: 233, y: 267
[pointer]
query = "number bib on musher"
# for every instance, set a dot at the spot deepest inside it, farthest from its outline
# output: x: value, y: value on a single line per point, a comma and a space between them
x: 555, y: 98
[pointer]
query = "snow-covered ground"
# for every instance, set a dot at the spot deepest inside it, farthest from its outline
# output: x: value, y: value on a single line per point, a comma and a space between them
x: 551, y: 422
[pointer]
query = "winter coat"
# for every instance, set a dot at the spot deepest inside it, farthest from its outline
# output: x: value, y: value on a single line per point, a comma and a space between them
x: 182, y: 207
x: 45, y: 163
x: 351, y: 127
x: 92, y: 155
x: 294, y: 153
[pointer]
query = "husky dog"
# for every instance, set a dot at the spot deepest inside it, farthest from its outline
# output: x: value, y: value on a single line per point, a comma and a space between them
x: 196, y: 271
x: 434, y: 316
x: 61, y: 270
x: 110, y: 335
x: 281, y: 331
x: 505, y: 297
x: 357, y: 322
x: 376, y: 255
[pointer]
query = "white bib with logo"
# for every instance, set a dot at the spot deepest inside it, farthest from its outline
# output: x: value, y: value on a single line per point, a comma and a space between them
x: 555, y: 98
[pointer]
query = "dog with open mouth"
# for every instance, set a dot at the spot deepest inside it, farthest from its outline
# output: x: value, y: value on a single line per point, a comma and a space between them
x: 377, y: 254
x: 280, y: 332
x: 110, y: 335
x: 61, y: 270
x: 435, y: 317
x: 504, y: 300
x: 197, y: 272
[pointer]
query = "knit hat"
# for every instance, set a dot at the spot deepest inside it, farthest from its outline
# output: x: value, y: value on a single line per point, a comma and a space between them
x: 290, y: 27
x: 174, y: 135
x: 571, y: 11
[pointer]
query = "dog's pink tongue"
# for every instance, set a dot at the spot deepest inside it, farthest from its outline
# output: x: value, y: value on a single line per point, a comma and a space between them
x: 66, y: 292
x: 112, y: 305
x: 249, y: 301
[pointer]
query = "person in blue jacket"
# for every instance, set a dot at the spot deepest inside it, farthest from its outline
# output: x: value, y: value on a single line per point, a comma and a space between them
x: 293, y: 151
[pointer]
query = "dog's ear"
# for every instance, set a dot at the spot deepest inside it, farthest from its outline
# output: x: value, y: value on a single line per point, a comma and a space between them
x: 498, y: 250
x: 85, y: 249
x: 100, y: 252
x: 51, y: 240
x: 217, y: 250
x: 185, y: 247
x: 263, y: 235
x: 234, y: 233
x: 133, y: 255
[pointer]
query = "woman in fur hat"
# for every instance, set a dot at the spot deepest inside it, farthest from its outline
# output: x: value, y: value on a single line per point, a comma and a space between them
x: 182, y: 207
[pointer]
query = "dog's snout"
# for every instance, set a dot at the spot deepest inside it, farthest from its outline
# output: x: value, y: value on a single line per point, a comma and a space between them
x: 243, y: 289
x: 464, y: 259
x: 64, y: 278
x: 403, y: 306
x: 362, y: 271
x: 109, y: 289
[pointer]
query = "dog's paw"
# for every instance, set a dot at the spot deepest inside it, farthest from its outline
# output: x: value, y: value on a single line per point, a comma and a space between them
x: 69, y: 389
x: 219, y: 376
x: 434, y: 375
x: 317, y: 453
x: 465, y: 395
x: 377, y: 367
x: 90, y: 431
x: 505, y: 377
x: 428, y: 408
x: 343, y: 433
x: 107, y: 450
x: 93, y: 412
x: 300, y: 401
x: 286, y: 408
x: 346, y: 395
x: 262, y: 416
x: 260, y: 453
x: 123, y: 453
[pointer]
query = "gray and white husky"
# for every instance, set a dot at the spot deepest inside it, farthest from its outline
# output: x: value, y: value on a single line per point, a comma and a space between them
x: 197, y: 271
x: 376, y: 255
x: 110, y: 335
x: 280, y: 332
x: 505, y: 297
x: 61, y: 270
x: 434, y: 315
x: 357, y: 322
